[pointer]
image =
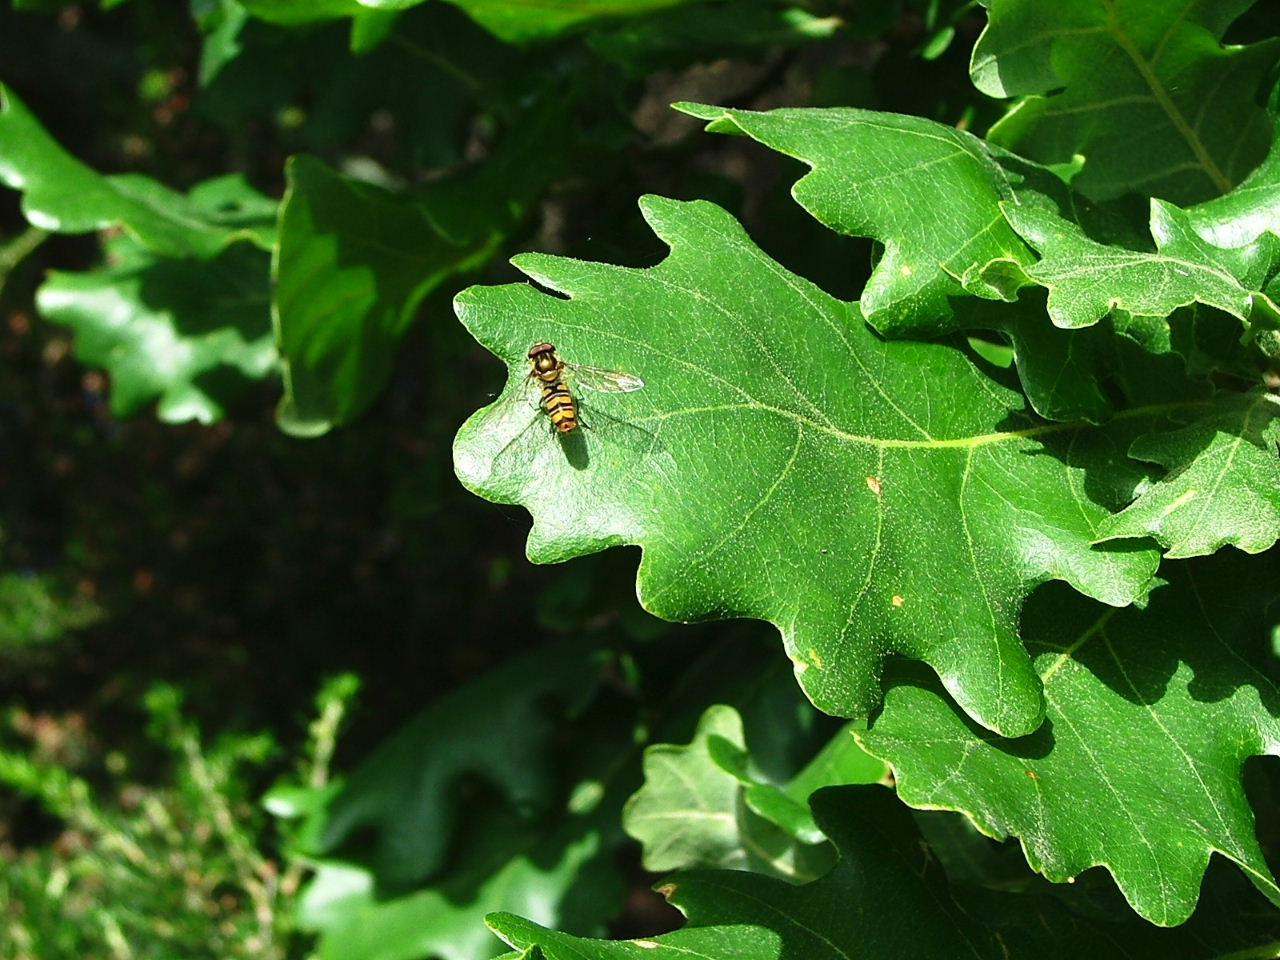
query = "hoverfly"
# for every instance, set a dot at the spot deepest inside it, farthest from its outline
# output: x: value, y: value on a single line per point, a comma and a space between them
x: 554, y: 376
x: 551, y: 394
x: 549, y: 385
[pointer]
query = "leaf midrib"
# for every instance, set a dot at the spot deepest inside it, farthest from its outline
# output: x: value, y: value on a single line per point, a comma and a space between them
x: 932, y: 443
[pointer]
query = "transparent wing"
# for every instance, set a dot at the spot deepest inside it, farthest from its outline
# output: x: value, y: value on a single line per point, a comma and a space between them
x: 529, y: 392
x: 602, y: 381
x: 519, y: 414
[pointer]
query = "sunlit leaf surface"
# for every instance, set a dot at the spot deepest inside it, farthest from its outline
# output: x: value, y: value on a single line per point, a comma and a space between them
x: 1151, y: 715
x: 784, y: 463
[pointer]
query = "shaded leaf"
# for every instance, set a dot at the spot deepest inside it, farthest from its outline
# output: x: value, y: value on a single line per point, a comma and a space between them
x: 1248, y: 211
x: 404, y: 793
x: 1151, y: 714
x: 294, y: 12
x: 487, y: 800
x: 429, y: 84
x: 189, y: 334
x: 703, y: 804
x: 353, y: 265
x: 892, y: 902
x: 786, y: 464
x: 703, y: 31
x: 537, y: 874
x: 887, y: 897
x: 1100, y: 75
x: 64, y: 195
x: 686, y: 813
x: 1223, y: 484
x: 515, y: 21
x: 1079, y: 374
x: 356, y: 260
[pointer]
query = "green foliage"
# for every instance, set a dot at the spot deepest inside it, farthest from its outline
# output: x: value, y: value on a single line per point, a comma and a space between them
x: 355, y: 261
x: 703, y: 804
x: 935, y: 207
x: 62, y: 194
x: 1180, y: 678
x: 1125, y: 71
x: 142, y: 871
x: 1221, y: 487
x: 967, y: 418
x: 805, y: 444
x: 183, y: 334
x: 35, y: 611
x: 404, y: 895
x: 885, y: 897
x: 1086, y: 280
x: 515, y: 22
x: 182, y: 314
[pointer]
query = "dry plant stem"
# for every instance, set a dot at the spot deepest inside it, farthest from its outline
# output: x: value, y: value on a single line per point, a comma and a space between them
x: 253, y: 868
x: 333, y: 702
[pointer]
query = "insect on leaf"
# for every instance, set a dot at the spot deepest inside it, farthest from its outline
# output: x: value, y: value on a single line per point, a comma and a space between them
x: 866, y: 497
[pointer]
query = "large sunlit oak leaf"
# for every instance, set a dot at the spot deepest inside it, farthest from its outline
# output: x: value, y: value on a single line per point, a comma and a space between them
x: 1145, y: 92
x: 930, y: 193
x: 1151, y: 716
x: 63, y: 195
x: 784, y: 463
x: 189, y: 335
x: 704, y: 805
x: 1087, y: 279
x: 887, y: 896
x: 1222, y: 485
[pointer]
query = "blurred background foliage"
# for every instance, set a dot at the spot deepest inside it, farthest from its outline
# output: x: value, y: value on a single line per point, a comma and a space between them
x: 187, y: 608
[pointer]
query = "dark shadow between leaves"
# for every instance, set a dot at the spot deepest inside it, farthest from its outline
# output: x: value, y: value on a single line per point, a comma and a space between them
x: 900, y: 672
x: 228, y: 385
x: 1112, y: 486
x: 1209, y: 614
x: 204, y: 297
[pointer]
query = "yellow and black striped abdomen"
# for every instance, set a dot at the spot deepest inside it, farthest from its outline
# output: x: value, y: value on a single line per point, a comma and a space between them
x: 560, y: 407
